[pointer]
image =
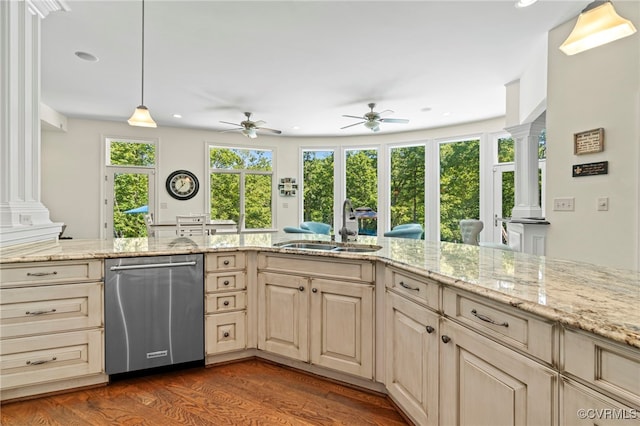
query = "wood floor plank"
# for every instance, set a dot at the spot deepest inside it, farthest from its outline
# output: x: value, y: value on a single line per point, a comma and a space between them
x: 251, y: 392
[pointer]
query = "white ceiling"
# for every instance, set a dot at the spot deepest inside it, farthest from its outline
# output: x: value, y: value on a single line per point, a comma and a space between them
x: 298, y: 65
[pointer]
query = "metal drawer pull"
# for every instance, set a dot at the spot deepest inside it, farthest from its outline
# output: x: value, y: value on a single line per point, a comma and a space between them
x: 225, y: 303
x: 487, y: 319
x: 41, y: 361
x: 315, y: 290
x: 50, y: 311
x: 41, y: 274
x: 226, y: 282
x: 408, y: 287
x: 446, y: 339
x: 430, y: 329
x: 225, y: 334
x: 226, y: 262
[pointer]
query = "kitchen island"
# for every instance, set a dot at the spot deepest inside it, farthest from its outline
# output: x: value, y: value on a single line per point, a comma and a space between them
x: 575, y: 309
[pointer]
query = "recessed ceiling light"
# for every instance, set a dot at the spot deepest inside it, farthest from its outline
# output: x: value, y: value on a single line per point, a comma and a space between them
x: 425, y: 109
x: 86, y: 56
x: 525, y: 3
x: 177, y: 116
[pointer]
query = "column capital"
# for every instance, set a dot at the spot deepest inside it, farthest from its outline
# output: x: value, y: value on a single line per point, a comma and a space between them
x: 43, y: 7
x: 526, y: 129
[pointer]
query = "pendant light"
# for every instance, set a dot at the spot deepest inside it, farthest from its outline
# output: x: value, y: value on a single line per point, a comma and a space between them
x: 598, y: 24
x: 141, y: 116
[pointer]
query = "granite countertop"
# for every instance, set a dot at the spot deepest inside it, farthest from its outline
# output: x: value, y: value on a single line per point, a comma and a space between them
x: 601, y: 300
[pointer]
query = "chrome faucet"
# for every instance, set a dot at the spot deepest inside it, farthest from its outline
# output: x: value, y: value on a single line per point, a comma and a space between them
x: 347, y: 210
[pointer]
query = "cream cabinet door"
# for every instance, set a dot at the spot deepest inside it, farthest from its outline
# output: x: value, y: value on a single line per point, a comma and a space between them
x: 485, y: 383
x: 283, y: 312
x: 411, y: 348
x: 582, y: 406
x: 341, y: 324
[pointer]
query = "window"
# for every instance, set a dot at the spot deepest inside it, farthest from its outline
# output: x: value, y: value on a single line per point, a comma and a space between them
x: 318, y: 184
x: 459, y: 186
x: 361, y: 180
x: 130, y: 153
x: 241, y: 182
x: 407, y: 179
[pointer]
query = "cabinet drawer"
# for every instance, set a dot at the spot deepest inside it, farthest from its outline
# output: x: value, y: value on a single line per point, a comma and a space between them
x: 412, y: 286
x: 606, y: 365
x: 50, y: 309
x: 221, y: 261
x: 41, y: 359
x: 226, y: 332
x: 38, y: 273
x: 223, y: 302
x: 517, y: 329
x: 229, y: 281
x: 318, y: 266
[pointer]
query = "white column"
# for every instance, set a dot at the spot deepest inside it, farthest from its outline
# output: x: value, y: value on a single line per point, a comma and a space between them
x: 527, y: 193
x: 23, y: 218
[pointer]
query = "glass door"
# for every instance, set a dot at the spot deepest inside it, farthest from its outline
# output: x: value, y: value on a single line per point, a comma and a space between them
x: 129, y: 196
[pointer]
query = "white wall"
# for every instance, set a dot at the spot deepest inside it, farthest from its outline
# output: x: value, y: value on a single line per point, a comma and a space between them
x: 72, y: 165
x: 593, y: 89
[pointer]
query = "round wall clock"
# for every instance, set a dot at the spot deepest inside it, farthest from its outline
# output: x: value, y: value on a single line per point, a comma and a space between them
x: 182, y: 185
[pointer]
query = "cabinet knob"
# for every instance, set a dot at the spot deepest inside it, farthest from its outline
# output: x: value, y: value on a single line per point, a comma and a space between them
x: 225, y: 303
x: 315, y: 290
x: 225, y: 334
x: 301, y: 288
x: 226, y: 262
x: 430, y: 329
x: 446, y: 339
x: 226, y: 282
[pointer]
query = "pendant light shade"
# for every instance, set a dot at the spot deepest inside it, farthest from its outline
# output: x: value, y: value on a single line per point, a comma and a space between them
x: 598, y: 24
x: 141, y: 116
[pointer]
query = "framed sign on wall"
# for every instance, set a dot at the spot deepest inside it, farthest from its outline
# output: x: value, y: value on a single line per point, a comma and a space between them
x: 588, y: 142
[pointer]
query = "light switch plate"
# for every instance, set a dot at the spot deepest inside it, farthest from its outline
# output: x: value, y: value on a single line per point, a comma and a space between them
x: 603, y: 204
x: 563, y: 204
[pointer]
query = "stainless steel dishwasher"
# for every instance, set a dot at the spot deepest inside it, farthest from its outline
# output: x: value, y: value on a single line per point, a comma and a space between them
x: 154, y: 311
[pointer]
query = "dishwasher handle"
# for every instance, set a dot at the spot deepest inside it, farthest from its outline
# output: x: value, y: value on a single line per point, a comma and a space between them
x: 152, y: 265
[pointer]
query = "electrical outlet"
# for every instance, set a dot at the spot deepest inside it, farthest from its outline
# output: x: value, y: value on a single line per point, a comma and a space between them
x: 563, y: 204
x: 25, y: 219
x: 603, y: 204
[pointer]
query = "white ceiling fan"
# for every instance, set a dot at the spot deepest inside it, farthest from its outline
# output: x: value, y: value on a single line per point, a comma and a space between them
x: 250, y: 128
x: 372, y: 119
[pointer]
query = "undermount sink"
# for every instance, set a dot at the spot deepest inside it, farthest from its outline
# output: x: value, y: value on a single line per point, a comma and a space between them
x: 328, y: 246
x: 308, y: 246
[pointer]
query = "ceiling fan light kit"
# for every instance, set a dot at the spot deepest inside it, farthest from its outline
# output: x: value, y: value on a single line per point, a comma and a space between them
x: 598, y: 24
x: 141, y: 116
x: 372, y: 119
x: 250, y: 128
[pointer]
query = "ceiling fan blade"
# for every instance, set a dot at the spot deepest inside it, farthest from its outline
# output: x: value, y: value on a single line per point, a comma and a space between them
x: 353, y: 116
x: 394, y: 120
x: 277, y: 132
x: 354, y: 124
x: 233, y: 124
x: 259, y: 123
x: 230, y: 130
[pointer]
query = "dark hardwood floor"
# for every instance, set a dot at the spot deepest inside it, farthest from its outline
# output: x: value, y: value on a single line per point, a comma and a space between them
x: 252, y: 392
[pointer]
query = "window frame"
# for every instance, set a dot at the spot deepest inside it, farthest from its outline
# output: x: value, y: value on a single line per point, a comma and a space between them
x: 243, y: 174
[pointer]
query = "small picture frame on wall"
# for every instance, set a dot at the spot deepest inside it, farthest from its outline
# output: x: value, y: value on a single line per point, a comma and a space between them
x: 288, y: 186
x: 588, y: 142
